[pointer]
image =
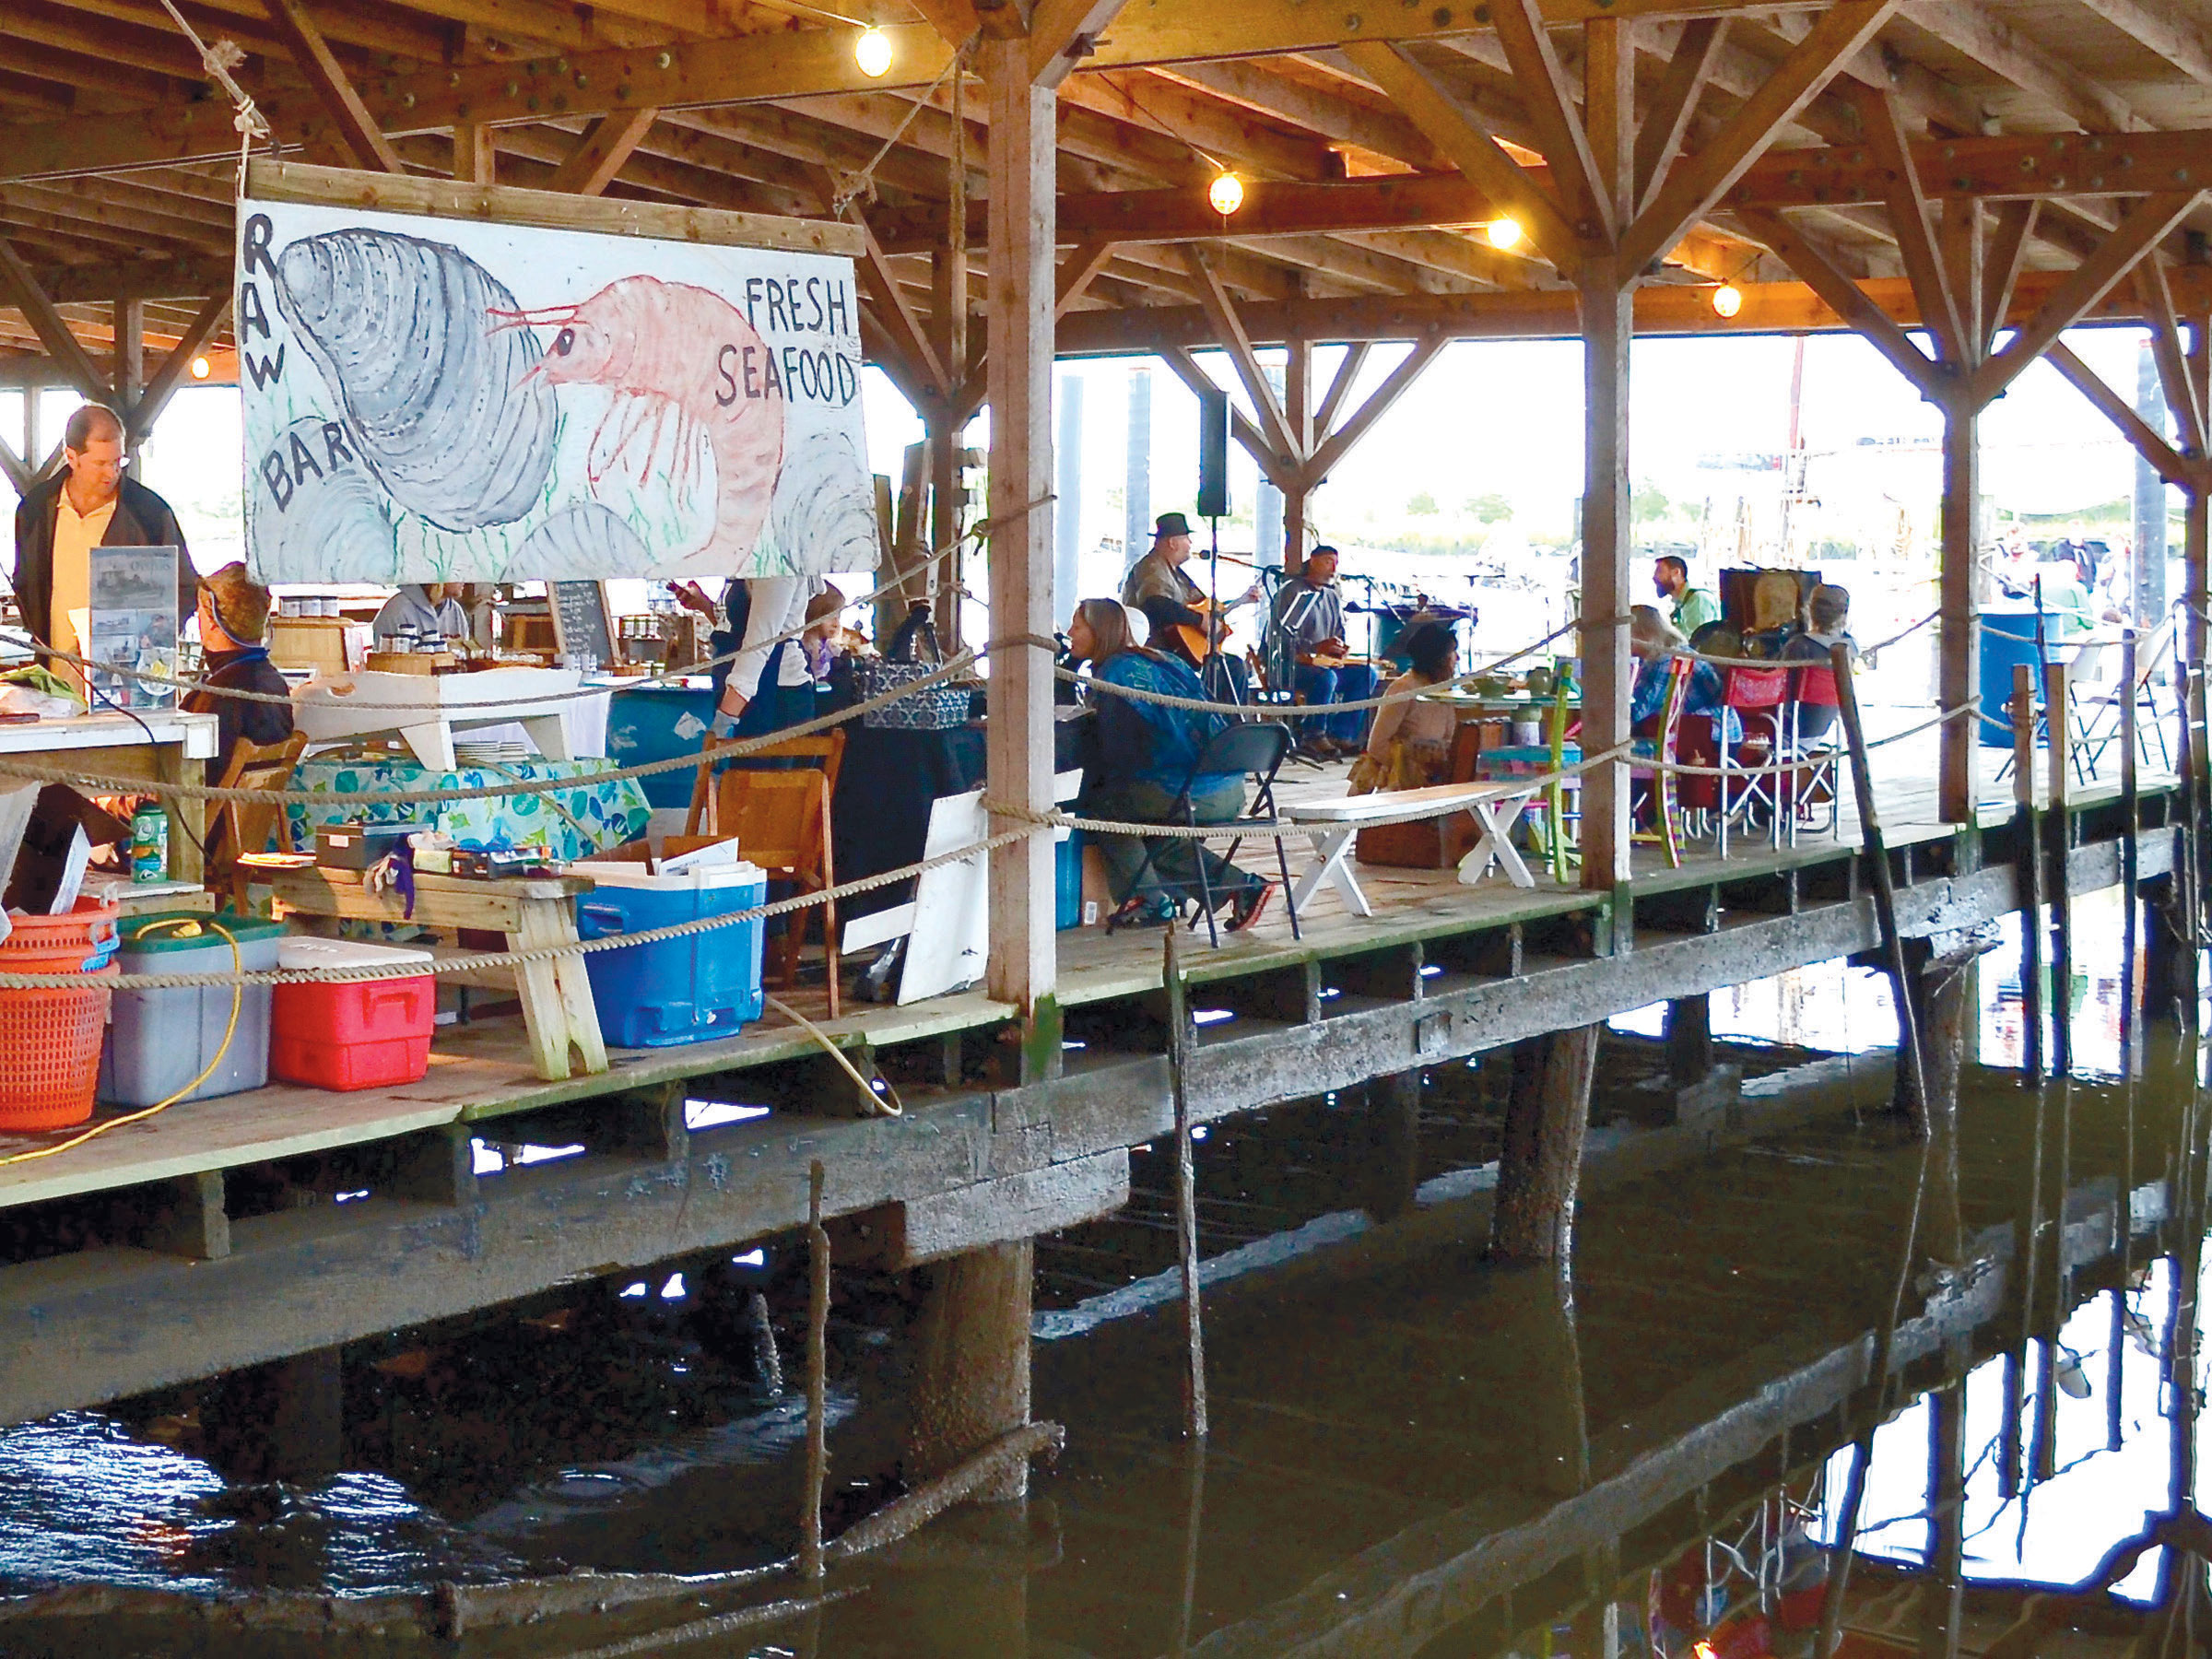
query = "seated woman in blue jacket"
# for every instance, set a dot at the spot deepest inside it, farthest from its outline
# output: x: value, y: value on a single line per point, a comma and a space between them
x: 1143, y: 752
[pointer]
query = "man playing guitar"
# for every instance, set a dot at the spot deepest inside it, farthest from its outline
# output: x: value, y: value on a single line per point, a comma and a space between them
x: 1309, y: 610
x: 1185, y: 623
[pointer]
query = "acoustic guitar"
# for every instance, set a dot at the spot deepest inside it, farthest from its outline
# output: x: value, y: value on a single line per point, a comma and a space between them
x: 1195, y: 643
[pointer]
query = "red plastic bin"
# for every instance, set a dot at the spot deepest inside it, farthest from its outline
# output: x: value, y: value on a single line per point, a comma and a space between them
x: 359, y: 1034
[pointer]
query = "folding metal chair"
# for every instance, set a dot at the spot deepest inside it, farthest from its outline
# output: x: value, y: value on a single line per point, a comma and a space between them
x: 1821, y: 758
x: 1257, y: 748
x: 1654, y: 770
x: 1757, y: 697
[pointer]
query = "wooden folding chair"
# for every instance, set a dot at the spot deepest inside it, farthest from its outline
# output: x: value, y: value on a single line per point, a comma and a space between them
x: 237, y: 827
x: 780, y: 818
x: 826, y: 752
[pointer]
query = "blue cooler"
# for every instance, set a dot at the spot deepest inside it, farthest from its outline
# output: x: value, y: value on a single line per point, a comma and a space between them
x: 707, y: 984
x: 1067, y: 871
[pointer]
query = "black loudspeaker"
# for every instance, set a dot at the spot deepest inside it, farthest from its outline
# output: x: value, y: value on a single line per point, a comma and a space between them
x: 1213, y: 454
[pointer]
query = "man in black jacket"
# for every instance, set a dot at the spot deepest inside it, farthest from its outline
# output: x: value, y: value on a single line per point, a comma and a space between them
x: 88, y: 504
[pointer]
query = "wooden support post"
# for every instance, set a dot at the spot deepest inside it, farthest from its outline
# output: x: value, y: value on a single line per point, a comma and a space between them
x: 2195, y: 630
x: 1943, y: 1588
x: 1884, y: 895
x: 475, y: 157
x: 1392, y: 1172
x: 1958, y: 636
x: 1940, y: 984
x: 2057, y: 834
x: 2028, y: 820
x: 2170, y: 979
x: 285, y: 1421
x: 1545, y: 1121
x: 972, y: 1366
x: 817, y: 1403
x: 185, y: 1217
x: 1605, y: 297
x: 1690, y: 1039
x: 1839, y: 1580
x: 1186, y: 1191
x: 2131, y: 834
x: 1019, y: 353
x: 129, y: 369
x: 1297, y: 411
x: 1532, y: 1358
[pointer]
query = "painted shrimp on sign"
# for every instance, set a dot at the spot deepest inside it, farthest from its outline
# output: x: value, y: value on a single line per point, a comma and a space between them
x: 434, y: 399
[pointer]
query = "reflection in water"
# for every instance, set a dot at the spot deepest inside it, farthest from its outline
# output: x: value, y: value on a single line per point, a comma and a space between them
x: 1412, y: 1455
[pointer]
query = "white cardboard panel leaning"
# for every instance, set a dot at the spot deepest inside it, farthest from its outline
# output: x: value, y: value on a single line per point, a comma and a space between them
x: 436, y: 400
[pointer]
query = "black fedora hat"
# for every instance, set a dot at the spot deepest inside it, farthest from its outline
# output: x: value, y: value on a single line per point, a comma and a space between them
x: 1170, y: 524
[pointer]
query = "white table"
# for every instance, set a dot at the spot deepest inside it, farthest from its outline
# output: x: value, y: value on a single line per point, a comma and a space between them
x: 1496, y: 806
x: 427, y: 710
x: 160, y: 745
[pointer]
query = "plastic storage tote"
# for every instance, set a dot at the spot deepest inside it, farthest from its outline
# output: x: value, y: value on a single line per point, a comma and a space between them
x: 357, y: 1034
x: 706, y: 984
x: 160, y: 1040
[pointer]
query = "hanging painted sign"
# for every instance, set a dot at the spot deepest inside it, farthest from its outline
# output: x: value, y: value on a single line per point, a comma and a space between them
x: 443, y: 399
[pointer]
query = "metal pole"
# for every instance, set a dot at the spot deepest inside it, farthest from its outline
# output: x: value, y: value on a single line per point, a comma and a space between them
x: 818, y: 1342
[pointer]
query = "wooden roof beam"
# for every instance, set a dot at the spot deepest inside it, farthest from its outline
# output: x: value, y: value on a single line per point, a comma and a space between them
x: 1915, y: 233
x: 2082, y: 288
x: 146, y: 410
x: 1699, y: 182
x: 1334, y: 115
x: 357, y: 128
x: 1976, y: 28
x: 1214, y: 299
x: 2166, y: 29
x: 2149, y: 443
x: 1338, y: 444
x: 1674, y: 100
x: 1846, y: 299
x: 37, y: 308
x: 599, y: 155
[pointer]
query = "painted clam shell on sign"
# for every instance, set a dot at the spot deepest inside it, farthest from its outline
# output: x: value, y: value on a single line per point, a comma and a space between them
x: 531, y: 404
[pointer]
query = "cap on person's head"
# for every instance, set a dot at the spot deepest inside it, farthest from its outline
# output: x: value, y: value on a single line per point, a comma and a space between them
x: 1170, y: 524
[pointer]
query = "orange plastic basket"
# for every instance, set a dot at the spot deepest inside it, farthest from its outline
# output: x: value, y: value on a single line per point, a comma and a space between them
x: 52, y: 1039
x: 59, y: 944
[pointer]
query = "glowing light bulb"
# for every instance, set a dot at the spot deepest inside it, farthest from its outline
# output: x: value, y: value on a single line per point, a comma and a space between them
x: 872, y: 52
x: 201, y: 368
x: 1226, y: 194
x: 1504, y: 233
x: 1727, y: 299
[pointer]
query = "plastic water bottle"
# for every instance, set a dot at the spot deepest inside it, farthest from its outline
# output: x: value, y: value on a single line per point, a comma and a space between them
x: 149, y: 843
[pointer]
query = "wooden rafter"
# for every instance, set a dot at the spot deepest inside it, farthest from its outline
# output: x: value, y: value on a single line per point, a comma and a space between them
x: 1456, y: 131
x: 1843, y: 296
x: 2003, y: 257
x: 1550, y: 102
x: 1221, y: 311
x: 2082, y: 288
x: 896, y: 316
x: 599, y: 155
x: 312, y: 56
x: 1334, y: 448
x: 2157, y: 295
x: 1674, y: 101
x: 1341, y: 384
x: 2149, y: 443
x: 1077, y: 270
x: 47, y: 323
x: 2166, y: 29
x: 140, y: 416
x: 1063, y: 33
x: 1187, y: 370
x: 1883, y: 116
x: 1698, y: 182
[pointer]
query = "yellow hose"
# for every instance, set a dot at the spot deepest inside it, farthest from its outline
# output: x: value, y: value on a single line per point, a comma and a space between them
x: 186, y: 927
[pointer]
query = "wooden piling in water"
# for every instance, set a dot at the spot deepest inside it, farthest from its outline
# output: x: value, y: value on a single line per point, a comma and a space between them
x: 1913, y: 1055
x: 1539, y: 1167
x: 2028, y: 822
x: 1186, y: 1188
x: 2131, y: 833
x: 818, y: 1347
x: 2057, y: 832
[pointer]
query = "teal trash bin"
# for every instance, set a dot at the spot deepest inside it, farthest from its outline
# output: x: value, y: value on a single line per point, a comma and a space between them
x: 659, y: 722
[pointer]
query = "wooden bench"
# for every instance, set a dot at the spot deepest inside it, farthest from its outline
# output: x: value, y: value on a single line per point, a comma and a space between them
x: 558, y: 1009
x: 1496, y: 806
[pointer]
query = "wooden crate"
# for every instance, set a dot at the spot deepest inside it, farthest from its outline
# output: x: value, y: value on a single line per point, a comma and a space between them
x: 312, y: 642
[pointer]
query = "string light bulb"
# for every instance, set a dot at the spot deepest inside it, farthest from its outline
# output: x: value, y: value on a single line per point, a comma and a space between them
x: 872, y: 52
x: 1727, y: 299
x: 1226, y: 193
x: 1504, y: 233
x: 201, y: 368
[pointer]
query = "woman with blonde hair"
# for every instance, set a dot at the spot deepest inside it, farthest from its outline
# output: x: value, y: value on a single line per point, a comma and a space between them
x: 1143, y: 754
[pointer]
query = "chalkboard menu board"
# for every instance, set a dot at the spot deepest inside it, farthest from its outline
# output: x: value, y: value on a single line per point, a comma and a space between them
x: 580, y: 621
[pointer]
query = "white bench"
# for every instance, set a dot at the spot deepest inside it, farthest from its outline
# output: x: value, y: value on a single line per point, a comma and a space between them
x: 1496, y: 805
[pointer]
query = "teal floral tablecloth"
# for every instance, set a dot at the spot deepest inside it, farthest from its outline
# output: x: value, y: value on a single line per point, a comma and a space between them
x: 574, y: 822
